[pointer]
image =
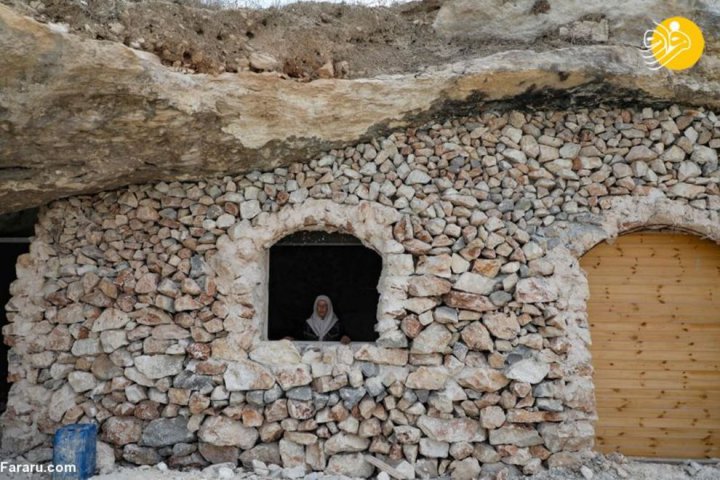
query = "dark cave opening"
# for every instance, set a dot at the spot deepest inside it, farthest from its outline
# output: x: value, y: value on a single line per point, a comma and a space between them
x: 12, y: 249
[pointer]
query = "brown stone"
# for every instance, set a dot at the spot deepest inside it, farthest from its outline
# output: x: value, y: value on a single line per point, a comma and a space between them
x: 476, y: 337
x: 122, y: 430
x: 428, y: 286
x: 502, y: 325
x: 482, y: 379
x: 468, y: 301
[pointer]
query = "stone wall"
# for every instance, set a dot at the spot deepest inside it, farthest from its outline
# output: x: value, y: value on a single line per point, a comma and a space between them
x: 143, y: 309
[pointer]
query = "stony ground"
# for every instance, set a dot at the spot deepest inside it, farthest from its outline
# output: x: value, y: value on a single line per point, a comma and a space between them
x: 600, y: 468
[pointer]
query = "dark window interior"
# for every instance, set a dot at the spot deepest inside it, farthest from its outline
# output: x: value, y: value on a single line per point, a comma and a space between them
x: 7, y: 276
x: 307, y: 264
x: 15, y: 230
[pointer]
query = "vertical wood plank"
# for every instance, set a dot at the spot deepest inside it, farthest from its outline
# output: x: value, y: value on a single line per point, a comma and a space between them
x: 654, y: 313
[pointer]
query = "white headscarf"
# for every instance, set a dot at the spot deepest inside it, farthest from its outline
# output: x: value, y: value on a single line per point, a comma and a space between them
x: 321, y: 326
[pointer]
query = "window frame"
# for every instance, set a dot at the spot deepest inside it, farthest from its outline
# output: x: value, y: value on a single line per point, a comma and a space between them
x: 242, y: 261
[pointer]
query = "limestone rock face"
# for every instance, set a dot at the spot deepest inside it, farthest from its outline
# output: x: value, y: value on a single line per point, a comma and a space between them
x: 526, y: 20
x: 134, y: 120
x: 528, y: 370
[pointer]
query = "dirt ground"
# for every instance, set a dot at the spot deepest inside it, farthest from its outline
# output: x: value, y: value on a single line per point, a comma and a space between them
x: 613, y: 467
x: 358, y: 41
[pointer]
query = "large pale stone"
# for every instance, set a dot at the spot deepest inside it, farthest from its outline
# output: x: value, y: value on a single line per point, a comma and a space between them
x: 518, y: 435
x: 482, y: 379
x: 268, y: 453
x: 702, y: 155
x: 419, y: 304
x: 61, y: 401
x: 451, y: 430
x: 407, y: 434
x: 465, y: 469
x: 105, y: 457
x: 351, y: 465
x: 151, y: 316
x: 291, y: 453
x: 224, y: 432
x: 445, y: 315
x: 476, y: 337
x: 82, y: 381
x: 428, y: 286
x: 687, y: 190
x: 231, y: 347
x: 71, y: 314
x: 427, y: 378
x: 163, y: 432
x: 122, y: 430
x: 438, y: 265
x: 159, y: 366
x: 381, y: 355
x: 86, y: 346
x: 281, y: 352
x: 109, y: 319
x: 290, y: 376
x: 434, y: 448
x: 502, y: 325
x: 640, y: 152
x: 571, y: 436
x: 434, y: 338
x: 475, y: 283
x: 535, y: 290
x: 247, y: 375
x: 345, y: 442
x: 468, y: 301
x: 492, y: 417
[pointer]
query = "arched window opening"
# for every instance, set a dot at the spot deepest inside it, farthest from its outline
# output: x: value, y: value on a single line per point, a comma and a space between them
x: 307, y: 264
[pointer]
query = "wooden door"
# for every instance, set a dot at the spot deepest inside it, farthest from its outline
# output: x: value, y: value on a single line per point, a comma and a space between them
x: 654, y: 314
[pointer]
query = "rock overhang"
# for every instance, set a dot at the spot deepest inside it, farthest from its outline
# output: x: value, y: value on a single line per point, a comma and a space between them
x: 81, y: 116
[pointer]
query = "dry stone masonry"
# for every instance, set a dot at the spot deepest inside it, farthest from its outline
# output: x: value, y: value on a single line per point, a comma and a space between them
x: 143, y: 309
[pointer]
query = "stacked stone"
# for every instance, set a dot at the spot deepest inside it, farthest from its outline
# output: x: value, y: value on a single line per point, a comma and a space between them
x: 118, y: 316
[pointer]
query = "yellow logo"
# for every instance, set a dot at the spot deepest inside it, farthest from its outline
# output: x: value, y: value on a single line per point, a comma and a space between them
x: 676, y: 43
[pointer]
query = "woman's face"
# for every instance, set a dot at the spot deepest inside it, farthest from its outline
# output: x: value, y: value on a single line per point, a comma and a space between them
x: 322, y: 308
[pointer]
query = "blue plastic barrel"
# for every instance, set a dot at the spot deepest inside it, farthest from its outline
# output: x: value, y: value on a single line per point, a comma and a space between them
x: 74, y: 445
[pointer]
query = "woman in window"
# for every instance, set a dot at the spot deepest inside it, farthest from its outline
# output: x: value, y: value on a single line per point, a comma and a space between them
x: 323, y: 325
